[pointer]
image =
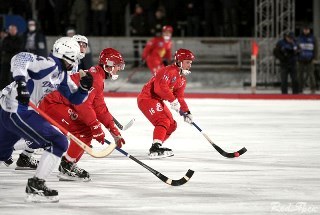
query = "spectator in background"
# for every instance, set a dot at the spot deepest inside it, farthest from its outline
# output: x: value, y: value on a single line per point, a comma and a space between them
x: 159, y: 21
x: 79, y: 15
x: 11, y: 45
x: 212, y: 12
x: 158, y: 51
x: 117, y: 11
x: 138, y: 28
x: 230, y: 18
x: 3, y: 34
x: 286, y: 51
x: 100, y: 21
x: 193, y: 10
x: 308, y: 51
x: 34, y: 41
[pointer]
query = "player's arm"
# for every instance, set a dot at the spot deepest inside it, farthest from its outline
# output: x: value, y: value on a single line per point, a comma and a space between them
x: 147, y: 49
x: 179, y: 94
x: 105, y: 117
x: 168, y: 55
x: 76, y: 95
x: 161, y: 86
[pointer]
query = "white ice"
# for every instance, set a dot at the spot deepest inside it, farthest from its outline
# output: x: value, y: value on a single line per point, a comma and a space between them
x: 279, y: 174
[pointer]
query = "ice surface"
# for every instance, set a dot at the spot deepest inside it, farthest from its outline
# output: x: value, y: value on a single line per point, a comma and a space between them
x: 279, y: 174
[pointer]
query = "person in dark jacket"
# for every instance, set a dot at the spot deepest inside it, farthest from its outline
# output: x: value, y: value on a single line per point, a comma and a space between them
x: 286, y: 51
x: 11, y: 45
x: 308, y: 51
x: 34, y: 41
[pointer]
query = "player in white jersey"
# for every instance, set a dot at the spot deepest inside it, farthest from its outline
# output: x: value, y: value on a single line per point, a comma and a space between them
x: 26, y: 161
x: 35, y: 77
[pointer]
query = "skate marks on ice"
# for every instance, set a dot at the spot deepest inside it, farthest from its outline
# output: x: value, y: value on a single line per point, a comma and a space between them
x: 278, y: 175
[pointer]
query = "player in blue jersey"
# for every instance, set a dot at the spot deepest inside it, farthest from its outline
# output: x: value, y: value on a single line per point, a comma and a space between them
x: 34, y: 77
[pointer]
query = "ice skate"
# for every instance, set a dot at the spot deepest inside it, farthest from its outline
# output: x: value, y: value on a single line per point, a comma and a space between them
x: 26, y: 163
x: 69, y: 171
x: 8, y: 162
x: 37, y: 191
x: 157, y: 151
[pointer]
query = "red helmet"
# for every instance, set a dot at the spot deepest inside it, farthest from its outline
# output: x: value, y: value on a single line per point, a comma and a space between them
x: 167, y: 28
x: 111, y: 57
x: 183, y: 54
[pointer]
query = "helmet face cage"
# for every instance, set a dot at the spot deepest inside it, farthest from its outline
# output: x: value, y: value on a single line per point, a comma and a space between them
x: 81, y: 39
x: 180, y: 56
x: 110, y: 57
x: 68, y: 49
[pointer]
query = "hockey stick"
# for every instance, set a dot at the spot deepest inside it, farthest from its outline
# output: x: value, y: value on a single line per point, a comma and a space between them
x: 162, y: 177
x: 97, y: 154
x: 221, y: 151
x: 127, y: 79
x: 121, y: 127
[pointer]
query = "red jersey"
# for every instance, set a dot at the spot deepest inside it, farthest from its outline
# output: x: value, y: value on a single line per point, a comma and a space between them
x: 94, y: 107
x: 168, y: 85
x: 158, y: 49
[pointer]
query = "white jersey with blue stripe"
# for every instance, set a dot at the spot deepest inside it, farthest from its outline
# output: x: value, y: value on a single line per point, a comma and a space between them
x: 43, y: 75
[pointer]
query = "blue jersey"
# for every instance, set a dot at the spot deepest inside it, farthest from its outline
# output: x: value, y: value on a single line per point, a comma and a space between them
x: 307, y: 48
x: 43, y: 75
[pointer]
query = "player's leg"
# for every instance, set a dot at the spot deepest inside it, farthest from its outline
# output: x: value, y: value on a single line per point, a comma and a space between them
x: 7, y: 141
x: 68, y: 168
x: 26, y: 160
x: 154, y: 111
x: 173, y: 123
x: 34, y: 128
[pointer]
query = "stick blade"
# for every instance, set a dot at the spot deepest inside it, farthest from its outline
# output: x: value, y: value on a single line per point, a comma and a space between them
x: 129, y: 124
x: 234, y: 154
x: 179, y: 182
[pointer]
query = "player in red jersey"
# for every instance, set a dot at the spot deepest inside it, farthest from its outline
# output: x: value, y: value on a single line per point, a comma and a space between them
x: 168, y: 84
x: 158, y: 50
x: 84, y: 121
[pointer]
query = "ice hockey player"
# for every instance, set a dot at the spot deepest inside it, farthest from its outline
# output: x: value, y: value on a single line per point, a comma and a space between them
x: 26, y: 161
x: 34, y: 77
x: 167, y: 85
x: 84, y: 121
x: 157, y: 51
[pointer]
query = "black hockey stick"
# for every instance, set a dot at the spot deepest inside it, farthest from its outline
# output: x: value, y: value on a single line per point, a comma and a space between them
x: 121, y: 127
x: 221, y: 151
x: 162, y: 177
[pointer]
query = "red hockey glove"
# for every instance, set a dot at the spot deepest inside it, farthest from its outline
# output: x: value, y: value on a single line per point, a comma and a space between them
x: 97, y: 132
x: 119, y: 140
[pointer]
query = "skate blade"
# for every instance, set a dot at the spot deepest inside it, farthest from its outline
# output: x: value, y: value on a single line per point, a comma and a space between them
x: 35, y: 198
x: 24, y: 168
x: 155, y: 155
x: 63, y: 177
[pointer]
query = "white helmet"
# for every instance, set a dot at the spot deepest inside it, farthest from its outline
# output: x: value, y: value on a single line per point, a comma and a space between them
x: 81, y: 38
x: 67, y: 48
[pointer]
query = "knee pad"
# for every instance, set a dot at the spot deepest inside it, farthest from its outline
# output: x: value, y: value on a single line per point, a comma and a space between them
x: 164, y: 122
x: 172, y: 128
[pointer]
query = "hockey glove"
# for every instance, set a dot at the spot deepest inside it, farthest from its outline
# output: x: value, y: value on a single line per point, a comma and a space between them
x: 86, y: 81
x: 119, y: 140
x: 97, y: 132
x: 188, y: 117
x: 23, y: 93
x: 175, y: 105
